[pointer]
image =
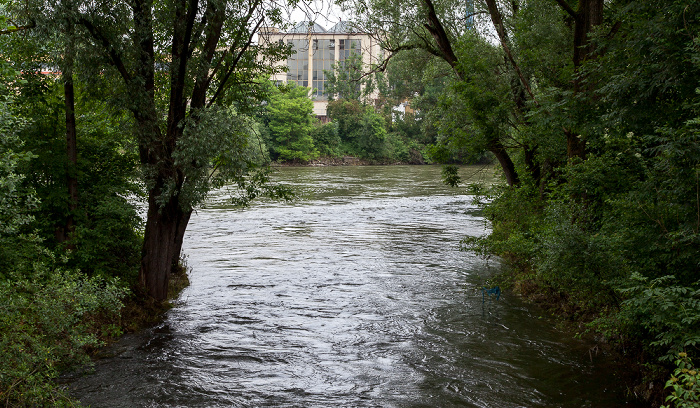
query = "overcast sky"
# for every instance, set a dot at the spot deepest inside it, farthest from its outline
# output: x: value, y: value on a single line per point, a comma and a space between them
x: 323, y: 12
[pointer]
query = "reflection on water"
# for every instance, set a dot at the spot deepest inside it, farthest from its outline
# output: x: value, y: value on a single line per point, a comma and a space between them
x: 355, y: 296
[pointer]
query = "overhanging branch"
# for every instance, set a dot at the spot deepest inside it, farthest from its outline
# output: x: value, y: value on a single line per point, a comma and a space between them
x: 114, y: 57
x: 564, y: 5
x: 18, y: 28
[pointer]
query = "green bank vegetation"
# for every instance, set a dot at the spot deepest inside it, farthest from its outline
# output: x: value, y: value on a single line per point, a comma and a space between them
x: 117, y: 118
x: 591, y: 110
x: 359, y: 126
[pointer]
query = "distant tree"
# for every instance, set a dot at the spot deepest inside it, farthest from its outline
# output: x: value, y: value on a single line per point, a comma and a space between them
x: 291, y: 122
x: 347, y: 114
x: 348, y: 80
x: 326, y: 139
x: 370, y: 136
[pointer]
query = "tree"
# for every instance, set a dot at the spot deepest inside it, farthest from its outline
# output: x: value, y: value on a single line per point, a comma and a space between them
x: 347, y: 79
x: 371, y: 135
x: 290, y: 115
x: 178, y: 67
x: 436, y: 28
x: 347, y: 114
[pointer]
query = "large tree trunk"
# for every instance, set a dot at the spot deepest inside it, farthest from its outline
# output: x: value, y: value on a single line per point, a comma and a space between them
x: 64, y: 232
x: 165, y: 229
x: 506, y: 163
x: 575, y: 146
x: 588, y: 15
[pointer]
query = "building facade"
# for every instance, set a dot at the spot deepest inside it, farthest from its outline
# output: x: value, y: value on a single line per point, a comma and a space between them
x: 315, y: 50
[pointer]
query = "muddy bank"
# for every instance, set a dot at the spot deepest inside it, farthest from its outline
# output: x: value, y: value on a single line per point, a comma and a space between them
x: 341, y: 161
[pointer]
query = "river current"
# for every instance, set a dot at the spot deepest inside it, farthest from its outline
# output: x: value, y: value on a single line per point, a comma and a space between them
x: 355, y: 295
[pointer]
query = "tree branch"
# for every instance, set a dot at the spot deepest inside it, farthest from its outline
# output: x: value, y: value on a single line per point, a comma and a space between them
x: 18, y: 28
x: 185, y: 13
x: 114, y: 57
x: 234, y: 64
x: 503, y: 36
x: 239, y: 35
x: 434, y: 26
x: 392, y: 52
x: 564, y: 5
x: 614, y: 29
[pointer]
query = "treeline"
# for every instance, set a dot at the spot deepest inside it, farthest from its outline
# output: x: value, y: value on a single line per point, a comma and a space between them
x: 362, y: 123
x: 591, y: 111
x: 293, y: 134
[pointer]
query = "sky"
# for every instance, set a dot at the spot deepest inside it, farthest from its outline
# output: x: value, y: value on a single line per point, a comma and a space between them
x: 323, y: 12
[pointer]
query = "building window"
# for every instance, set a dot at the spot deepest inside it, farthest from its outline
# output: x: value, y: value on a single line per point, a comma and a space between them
x: 298, y: 62
x: 323, y: 59
x: 347, y: 47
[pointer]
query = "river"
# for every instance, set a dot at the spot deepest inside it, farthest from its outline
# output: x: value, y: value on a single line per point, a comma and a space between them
x: 356, y: 295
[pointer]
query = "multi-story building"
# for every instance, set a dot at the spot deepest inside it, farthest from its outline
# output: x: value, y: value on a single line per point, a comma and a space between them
x: 315, y: 50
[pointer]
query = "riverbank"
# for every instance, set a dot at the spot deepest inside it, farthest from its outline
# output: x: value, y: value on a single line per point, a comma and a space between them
x: 327, y: 161
x: 138, y: 313
x: 596, y: 257
x: 349, y: 161
x: 141, y: 311
x: 643, y: 377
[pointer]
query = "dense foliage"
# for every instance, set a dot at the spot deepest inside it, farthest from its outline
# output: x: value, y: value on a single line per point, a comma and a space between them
x: 290, y: 123
x: 105, y: 142
x: 615, y: 230
x: 379, y: 117
x: 52, y: 313
x: 294, y: 135
x: 590, y: 109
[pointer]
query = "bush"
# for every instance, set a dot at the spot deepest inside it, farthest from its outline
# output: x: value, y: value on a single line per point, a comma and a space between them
x: 685, y: 383
x: 664, y: 311
x: 48, y: 320
x: 326, y: 139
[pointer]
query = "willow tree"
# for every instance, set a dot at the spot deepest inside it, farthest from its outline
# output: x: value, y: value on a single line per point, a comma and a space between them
x: 186, y: 70
x: 438, y: 28
x: 447, y: 30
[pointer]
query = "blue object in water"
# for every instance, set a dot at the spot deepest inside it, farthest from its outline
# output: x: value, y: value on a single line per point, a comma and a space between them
x: 493, y: 291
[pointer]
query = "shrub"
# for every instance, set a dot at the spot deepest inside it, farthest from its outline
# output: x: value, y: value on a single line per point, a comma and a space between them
x: 48, y: 320
x: 326, y: 139
x: 685, y: 383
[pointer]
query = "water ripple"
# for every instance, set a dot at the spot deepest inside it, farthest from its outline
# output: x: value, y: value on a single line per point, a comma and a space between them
x: 356, y: 296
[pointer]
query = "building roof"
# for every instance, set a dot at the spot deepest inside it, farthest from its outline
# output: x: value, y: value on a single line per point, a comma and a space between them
x: 310, y: 27
x: 306, y: 27
x: 343, y: 27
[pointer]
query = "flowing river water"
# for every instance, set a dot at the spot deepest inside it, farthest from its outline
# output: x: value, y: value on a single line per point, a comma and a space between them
x: 356, y: 295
